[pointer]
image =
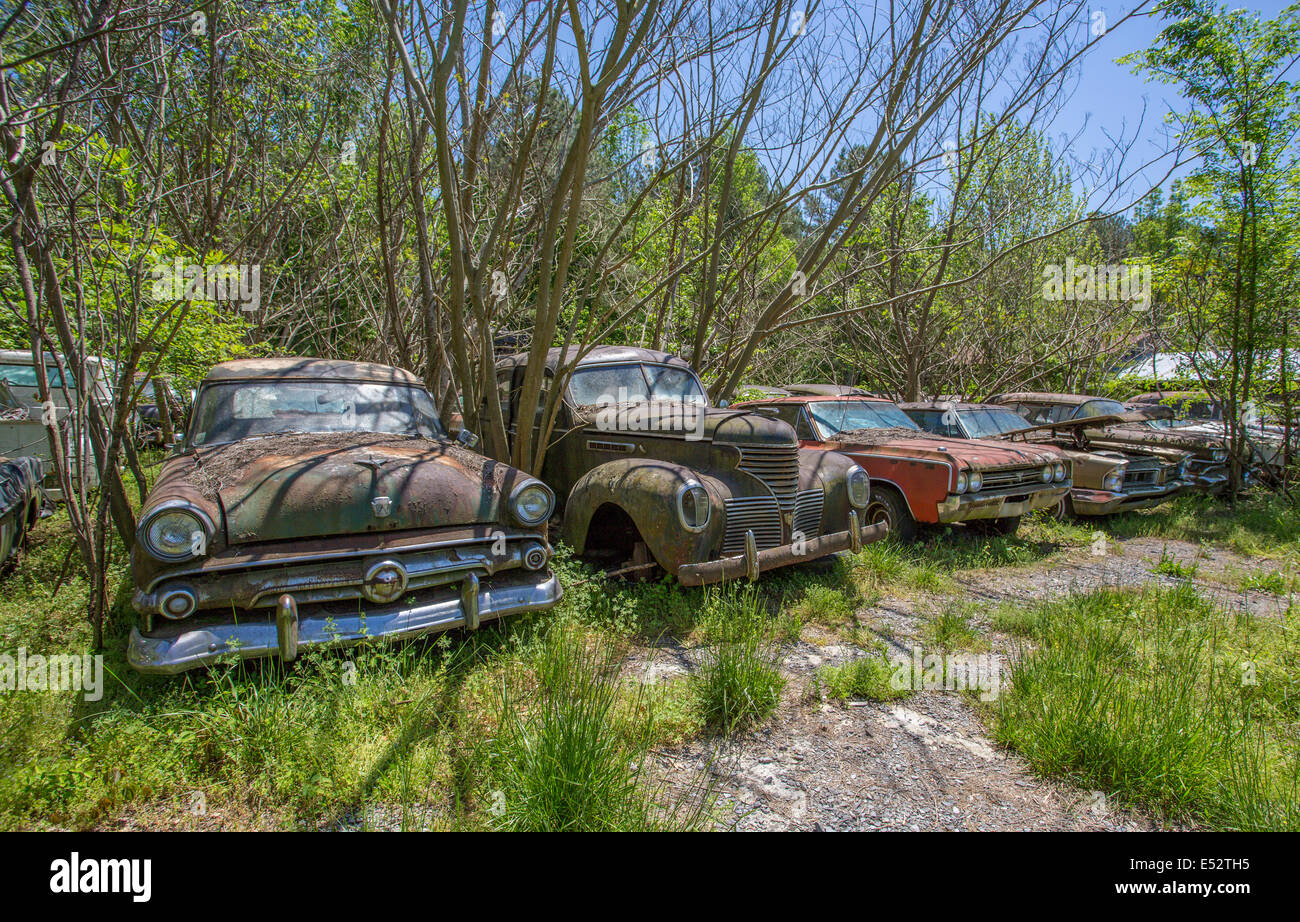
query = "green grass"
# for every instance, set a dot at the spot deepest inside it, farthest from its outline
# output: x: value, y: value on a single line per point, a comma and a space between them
x: 400, y: 726
x: 1271, y: 581
x: 824, y: 605
x: 864, y: 678
x: 421, y: 730
x: 737, y: 679
x: 1016, y: 619
x: 572, y: 750
x: 1172, y: 566
x: 1264, y: 525
x: 951, y: 629
x: 1164, y: 700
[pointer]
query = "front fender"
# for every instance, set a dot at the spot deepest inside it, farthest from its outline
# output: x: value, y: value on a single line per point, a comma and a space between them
x: 828, y: 471
x: 647, y: 490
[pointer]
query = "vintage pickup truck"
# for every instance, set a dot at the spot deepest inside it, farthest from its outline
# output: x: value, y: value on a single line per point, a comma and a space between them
x: 1104, y: 482
x: 1206, y: 469
x: 316, y: 502
x: 648, y: 473
x: 919, y: 478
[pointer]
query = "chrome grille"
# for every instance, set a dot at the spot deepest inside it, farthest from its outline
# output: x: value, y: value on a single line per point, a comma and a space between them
x: 1012, y: 477
x: 776, y: 467
x: 1143, y: 473
x: 759, y: 514
x: 808, y: 512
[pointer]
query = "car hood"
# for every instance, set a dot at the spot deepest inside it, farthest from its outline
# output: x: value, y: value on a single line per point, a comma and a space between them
x: 688, y: 421
x: 1139, y: 434
x: 979, y: 454
x: 304, y: 485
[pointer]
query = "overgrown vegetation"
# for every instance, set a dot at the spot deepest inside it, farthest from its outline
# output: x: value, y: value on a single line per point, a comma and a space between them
x: 1165, y: 700
x: 488, y: 729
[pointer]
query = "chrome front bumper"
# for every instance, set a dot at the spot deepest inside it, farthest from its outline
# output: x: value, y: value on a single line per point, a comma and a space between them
x: 753, y: 561
x: 971, y: 507
x: 1105, y: 502
x: 176, y: 647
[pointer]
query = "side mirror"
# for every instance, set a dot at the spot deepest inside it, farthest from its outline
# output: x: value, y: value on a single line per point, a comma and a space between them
x: 724, y: 403
x: 468, y: 439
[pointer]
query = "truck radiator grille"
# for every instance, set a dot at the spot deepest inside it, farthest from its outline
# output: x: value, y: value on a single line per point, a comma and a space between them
x: 759, y: 514
x: 808, y: 512
x: 776, y: 467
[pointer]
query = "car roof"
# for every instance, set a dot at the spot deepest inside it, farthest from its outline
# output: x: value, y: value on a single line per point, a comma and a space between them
x: 819, y: 398
x: 24, y: 357
x: 1073, y: 400
x: 1157, y: 396
x: 303, y: 368
x: 825, y: 390
x: 951, y: 405
x: 597, y: 355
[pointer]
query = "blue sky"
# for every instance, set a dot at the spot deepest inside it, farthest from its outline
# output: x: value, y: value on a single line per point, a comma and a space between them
x: 1110, y: 98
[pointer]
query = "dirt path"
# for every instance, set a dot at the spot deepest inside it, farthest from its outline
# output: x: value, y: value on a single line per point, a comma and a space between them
x: 927, y: 762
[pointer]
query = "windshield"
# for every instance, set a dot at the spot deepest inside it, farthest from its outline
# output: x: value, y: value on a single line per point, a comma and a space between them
x: 228, y: 412
x: 634, y: 383
x: 833, y: 416
x: 25, y: 375
x: 1100, y: 408
x: 983, y: 423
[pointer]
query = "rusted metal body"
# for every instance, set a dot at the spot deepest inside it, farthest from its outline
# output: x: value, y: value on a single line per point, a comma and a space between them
x: 1101, y: 483
x: 1194, y: 412
x: 20, y: 502
x: 1206, y: 469
x: 642, y: 465
x: 311, y: 525
x: 919, y: 478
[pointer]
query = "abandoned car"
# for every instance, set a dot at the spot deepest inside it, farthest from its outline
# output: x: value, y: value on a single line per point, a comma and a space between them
x: 1104, y: 482
x: 647, y: 471
x: 1196, y: 412
x: 314, y: 502
x: 918, y: 478
x: 20, y: 503
x: 23, y: 430
x: 1207, y: 465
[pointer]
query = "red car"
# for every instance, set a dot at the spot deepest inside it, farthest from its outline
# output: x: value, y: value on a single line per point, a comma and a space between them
x: 917, y: 477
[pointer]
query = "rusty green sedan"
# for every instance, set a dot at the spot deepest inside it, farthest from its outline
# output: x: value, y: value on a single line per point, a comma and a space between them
x: 316, y: 502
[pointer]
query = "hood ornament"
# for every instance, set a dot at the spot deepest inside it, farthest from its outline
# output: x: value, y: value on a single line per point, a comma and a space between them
x: 382, y: 506
x: 371, y: 462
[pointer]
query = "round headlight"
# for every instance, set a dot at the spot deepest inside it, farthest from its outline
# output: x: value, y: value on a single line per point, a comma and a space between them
x: 1114, y: 480
x: 532, y: 503
x: 859, y: 485
x: 975, y: 481
x: 1058, y: 470
x: 176, y: 532
x: 1220, y: 455
x: 693, y: 506
x: 1047, y: 473
x: 961, y: 482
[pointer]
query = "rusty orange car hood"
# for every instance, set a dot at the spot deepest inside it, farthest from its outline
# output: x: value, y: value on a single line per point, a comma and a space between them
x: 311, y: 485
x: 980, y: 454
